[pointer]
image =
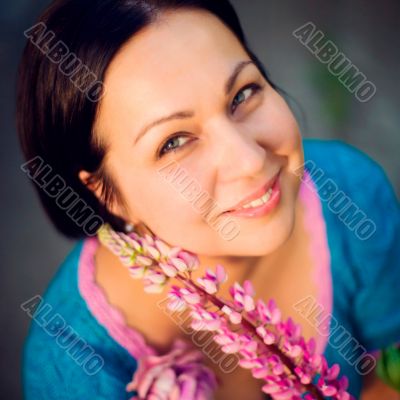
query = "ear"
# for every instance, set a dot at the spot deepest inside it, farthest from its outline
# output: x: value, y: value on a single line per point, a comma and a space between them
x: 96, y: 187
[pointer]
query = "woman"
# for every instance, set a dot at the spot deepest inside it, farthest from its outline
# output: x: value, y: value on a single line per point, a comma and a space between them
x: 111, y: 95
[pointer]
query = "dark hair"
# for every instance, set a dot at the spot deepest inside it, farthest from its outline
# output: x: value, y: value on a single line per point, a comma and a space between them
x: 59, y: 88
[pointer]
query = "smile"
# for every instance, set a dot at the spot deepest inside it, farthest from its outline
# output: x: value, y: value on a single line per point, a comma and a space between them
x: 261, y: 202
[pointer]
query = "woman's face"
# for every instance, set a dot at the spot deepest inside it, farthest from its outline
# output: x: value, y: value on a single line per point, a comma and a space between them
x: 226, y: 145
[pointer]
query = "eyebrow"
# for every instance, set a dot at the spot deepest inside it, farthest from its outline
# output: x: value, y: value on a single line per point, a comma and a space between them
x: 189, y: 114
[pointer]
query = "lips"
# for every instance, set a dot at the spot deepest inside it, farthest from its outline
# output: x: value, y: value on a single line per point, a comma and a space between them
x: 257, y: 194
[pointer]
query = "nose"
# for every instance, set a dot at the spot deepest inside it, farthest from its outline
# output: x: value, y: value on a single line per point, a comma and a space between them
x: 237, y: 153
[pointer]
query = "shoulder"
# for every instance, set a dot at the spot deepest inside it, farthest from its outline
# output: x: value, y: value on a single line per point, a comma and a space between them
x: 66, y: 352
x: 341, y: 161
x: 341, y: 170
x: 362, y: 213
x: 358, y: 200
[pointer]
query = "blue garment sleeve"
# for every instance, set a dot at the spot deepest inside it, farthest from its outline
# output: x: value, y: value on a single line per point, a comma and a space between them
x: 376, y: 256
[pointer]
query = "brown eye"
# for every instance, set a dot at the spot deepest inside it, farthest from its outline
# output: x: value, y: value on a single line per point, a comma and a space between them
x: 245, y: 94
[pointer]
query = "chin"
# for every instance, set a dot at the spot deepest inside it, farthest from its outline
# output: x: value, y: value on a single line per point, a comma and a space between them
x: 276, y: 234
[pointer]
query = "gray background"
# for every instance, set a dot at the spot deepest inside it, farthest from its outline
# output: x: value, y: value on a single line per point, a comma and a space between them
x: 366, y: 31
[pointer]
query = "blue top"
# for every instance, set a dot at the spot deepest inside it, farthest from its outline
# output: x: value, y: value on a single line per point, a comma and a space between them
x: 364, y: 245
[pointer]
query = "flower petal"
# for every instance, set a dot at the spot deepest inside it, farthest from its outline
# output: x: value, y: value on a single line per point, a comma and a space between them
x: 179, y: 264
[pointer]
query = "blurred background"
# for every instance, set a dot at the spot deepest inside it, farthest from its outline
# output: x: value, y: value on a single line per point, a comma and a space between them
x: 367, y: 32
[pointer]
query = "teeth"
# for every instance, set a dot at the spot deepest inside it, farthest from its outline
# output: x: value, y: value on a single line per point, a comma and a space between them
x: 262, y: 200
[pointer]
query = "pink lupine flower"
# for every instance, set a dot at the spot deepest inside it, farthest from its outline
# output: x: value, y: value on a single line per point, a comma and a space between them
x: 143, y: 260
x: 229, y: 342
x: 272, y: 349
x: 292, y: 350
x: 177, y: 375
x: 243, y: 296
x: 168, y: 269
x: 128, y: 258
x: 165, y: 250
x: 212, y: 280
x: 155, y: 277
x: 276, y: 364
x: 249, y: 363
x: 191, y: 260
x: 290, y: 329
x: 268, y: 313
x: 179, y: 264
x: 180, y: 296
x: 234, y: 316
x: 131, y: 240
x: 205, y: 320
x: 267, y: 336
x: 190, y: 296
x: 136, y: 272
x: 152, y: 251
x: 281, y: 389
x: 176, y: 302
x: 304, y: 377
x: 249, y: 343
x: 182, y: 263
x: 154, y: 281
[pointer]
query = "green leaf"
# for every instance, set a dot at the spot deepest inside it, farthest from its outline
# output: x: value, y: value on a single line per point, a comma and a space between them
x: 388, y: 366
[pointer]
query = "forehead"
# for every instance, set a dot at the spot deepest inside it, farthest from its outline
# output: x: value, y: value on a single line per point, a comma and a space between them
x: 185, y: 49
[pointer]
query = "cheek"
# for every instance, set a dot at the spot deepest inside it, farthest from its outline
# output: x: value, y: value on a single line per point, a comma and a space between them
x: 276, y: 126
x: 161, y: 199
x: 156, y: 195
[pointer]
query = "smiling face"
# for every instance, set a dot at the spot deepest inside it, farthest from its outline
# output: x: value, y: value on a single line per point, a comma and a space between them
x: 227, y: 138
